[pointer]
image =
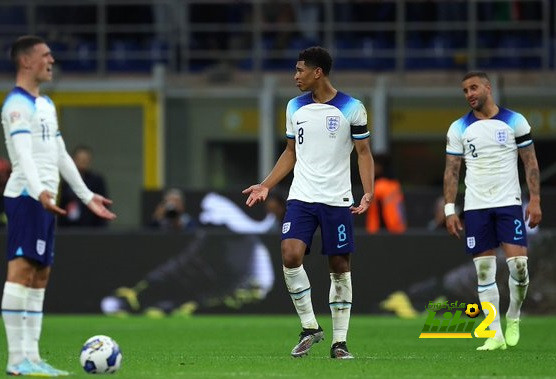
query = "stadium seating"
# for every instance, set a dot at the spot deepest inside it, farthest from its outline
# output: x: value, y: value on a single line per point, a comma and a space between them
x: 134, y: 44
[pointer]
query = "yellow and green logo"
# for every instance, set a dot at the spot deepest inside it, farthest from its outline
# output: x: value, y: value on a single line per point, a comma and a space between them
x: 452, y: 325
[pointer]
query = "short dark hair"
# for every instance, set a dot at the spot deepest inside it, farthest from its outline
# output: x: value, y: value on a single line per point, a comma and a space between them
x: 22, y: 45
x: 317, y: 56
x: 478, y: 74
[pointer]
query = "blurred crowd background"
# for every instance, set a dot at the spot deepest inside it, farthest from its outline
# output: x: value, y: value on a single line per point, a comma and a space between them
x: 191, y: 94
x: 193, y: 35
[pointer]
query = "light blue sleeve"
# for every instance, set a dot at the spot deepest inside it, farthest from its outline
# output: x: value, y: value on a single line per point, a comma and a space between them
x: 454, y: 144
x: 18, y: 112
x: 358, y: 113
x: 290, y: 133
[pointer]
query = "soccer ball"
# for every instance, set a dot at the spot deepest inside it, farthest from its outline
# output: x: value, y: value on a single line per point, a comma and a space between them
x: 100, y: 355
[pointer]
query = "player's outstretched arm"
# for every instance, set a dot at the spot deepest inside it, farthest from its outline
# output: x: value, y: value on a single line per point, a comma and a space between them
x: 453, y: 225
x: 259, y: 192
x: 98, y: 204
x: 364, y: 204
x: 533, y: 211
x: 367, y: 173
x: 49, y: 203
x: 451, y: 179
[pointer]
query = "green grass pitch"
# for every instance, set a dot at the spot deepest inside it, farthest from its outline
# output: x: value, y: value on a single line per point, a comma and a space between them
x: 258, y: 347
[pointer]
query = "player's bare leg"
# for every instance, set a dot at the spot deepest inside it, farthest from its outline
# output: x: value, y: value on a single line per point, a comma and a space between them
x: 340, y: 299
x: 299, y: 288
x: 485, y: 265
x: 518, y: 283
x: 22, y: 305
x: 33, y: 325
x: 19, y: 278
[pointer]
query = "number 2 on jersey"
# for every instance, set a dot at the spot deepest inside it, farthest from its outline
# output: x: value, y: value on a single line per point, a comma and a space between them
x: 472, y: 148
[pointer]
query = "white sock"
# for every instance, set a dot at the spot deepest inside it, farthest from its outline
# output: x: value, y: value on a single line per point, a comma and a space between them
x: 13, y: 313
x: 299, y: 288
x: 488, y: 290
x: 340, y: 305
x: 518, y: 283
x: 32, y: 332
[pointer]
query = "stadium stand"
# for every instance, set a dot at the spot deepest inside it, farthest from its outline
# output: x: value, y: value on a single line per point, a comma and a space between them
x: 190, y: 35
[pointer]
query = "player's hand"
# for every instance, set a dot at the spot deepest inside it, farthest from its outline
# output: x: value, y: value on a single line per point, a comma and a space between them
x: 49, y: 203
x: 257, y: 193
x: 533, y: 213
x: 98, y: 204
x: 453, y: 225
x: 363, y: 205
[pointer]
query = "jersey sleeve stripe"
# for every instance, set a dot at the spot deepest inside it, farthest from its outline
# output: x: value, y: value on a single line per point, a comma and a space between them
x: 20, y: 131
x: 358, y: 129
x: 361, y: 136
x: 525, y: 144
x: 58, y: 134
x: 523, y: 138
x: 454, y: 153
x: 290, y: 136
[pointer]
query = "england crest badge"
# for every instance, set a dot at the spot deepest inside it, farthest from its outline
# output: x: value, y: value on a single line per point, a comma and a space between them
x: 286, y: 227
x: 332, y: 123
x: 501, y: 136
x: 471, y: 242
x: 41, y: 247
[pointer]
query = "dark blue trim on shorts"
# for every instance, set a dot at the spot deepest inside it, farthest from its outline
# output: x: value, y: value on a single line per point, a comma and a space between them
x: 20, y: 131
x: 13, y: 311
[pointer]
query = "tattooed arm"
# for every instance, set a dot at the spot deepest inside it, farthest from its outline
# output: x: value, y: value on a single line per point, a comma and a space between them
x: 533, y: 211
x: 451, y: 179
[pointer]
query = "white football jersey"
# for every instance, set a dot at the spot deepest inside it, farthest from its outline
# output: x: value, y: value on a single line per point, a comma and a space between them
x: 324, y: 134
x: 489, y: 148
x: 24, y: 113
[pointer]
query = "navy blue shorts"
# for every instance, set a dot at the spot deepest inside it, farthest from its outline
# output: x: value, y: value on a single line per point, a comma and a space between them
x: 336, y: 224
x: 30, y: 230
x: 485, y: 229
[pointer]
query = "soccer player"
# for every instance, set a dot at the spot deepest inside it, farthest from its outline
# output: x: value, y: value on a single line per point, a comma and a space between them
x: 38, y: 155
x: 489, y: 138
x: 322, y: 127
